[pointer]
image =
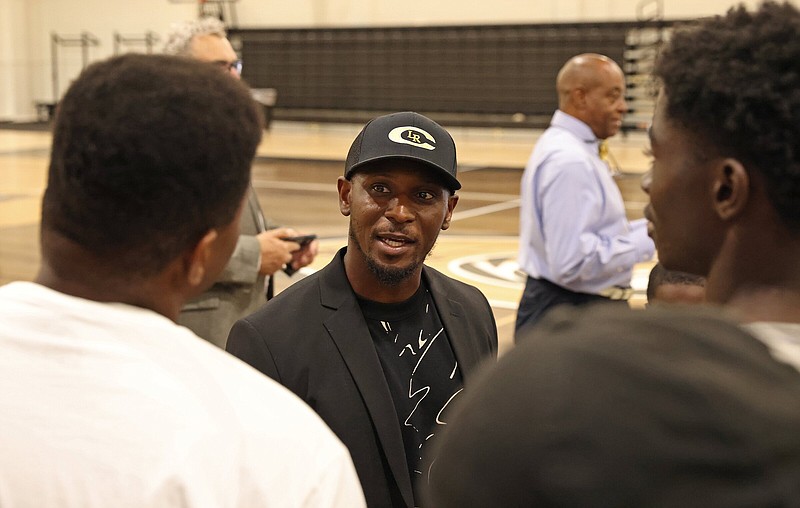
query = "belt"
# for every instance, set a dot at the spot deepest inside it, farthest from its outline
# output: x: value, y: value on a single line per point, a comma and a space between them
x: 617, y: 293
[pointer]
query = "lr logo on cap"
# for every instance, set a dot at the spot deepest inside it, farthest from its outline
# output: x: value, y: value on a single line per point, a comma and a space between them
x: 413, y: 136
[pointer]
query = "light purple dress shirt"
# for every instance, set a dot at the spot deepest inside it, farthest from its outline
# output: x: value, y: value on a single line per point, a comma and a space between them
x: 573, y: 228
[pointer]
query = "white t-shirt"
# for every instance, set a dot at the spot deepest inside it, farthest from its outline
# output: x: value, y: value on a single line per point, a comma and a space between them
x: 106, y: 404
x: 782, y: 339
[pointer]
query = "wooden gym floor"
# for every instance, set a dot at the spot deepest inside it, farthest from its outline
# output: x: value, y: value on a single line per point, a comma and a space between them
x: 295, y: 177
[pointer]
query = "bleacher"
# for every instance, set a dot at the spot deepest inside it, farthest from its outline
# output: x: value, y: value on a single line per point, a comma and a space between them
x: 501, y: 75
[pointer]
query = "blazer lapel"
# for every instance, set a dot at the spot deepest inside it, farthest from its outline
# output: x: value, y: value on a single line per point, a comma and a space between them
x: 349, y: 331
x: 454, y: 319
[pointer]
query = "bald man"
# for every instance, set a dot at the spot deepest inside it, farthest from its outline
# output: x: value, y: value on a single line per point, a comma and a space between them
x: 576, y: 244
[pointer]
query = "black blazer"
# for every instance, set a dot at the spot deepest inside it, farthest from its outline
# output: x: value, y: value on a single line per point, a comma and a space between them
x: 313, y: 339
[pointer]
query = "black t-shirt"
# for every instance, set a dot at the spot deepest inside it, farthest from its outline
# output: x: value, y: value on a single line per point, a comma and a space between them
x: 420, y: 368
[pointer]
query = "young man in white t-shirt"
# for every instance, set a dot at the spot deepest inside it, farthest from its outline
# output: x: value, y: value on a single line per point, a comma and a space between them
x: 104, y: 400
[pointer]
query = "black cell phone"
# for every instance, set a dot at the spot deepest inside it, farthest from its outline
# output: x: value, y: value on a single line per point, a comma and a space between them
x: 303, y: 240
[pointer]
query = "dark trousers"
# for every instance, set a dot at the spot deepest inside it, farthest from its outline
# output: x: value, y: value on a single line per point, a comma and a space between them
x: 541, y: 295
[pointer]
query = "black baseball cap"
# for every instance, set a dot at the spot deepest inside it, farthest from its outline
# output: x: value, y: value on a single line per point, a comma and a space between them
x: 405, y: 135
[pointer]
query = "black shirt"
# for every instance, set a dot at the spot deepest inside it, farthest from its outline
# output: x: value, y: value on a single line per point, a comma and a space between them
x: 420, y: 369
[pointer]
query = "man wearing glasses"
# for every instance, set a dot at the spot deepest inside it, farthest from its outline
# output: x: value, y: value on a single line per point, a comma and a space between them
x: 260, y: 251
x: 204, y: 39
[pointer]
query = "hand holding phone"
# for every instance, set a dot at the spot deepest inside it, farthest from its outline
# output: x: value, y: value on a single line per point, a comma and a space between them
x: 303, y: 240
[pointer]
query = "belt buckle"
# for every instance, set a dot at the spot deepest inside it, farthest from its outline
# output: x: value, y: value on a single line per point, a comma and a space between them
x: 617, y: 293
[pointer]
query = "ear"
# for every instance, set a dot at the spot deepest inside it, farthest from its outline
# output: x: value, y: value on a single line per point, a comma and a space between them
x: 578, y: 97
x: 731, y: 188
x: 344, y: 185
x: 197, y: 258
x: 452, y: 201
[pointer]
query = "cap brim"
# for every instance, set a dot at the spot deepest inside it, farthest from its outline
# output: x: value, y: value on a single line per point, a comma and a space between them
x: 449, y: 180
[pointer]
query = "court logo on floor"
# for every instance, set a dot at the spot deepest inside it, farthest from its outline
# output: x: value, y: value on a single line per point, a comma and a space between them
x: 496, y: 268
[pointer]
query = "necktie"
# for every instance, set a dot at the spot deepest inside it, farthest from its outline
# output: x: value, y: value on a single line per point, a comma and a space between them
x: 602, y: 150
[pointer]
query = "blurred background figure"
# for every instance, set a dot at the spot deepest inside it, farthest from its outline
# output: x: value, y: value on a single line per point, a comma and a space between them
x: 576, y: 244
x: 262, y: 249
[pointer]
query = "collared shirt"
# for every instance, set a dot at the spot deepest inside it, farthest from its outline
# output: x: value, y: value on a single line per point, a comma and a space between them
x: 573, y: 228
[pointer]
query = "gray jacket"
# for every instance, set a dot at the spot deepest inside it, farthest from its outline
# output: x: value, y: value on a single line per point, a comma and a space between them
x: 239, y: 290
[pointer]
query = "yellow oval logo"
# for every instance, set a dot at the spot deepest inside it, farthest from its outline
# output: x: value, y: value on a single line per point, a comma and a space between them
x: 413, y: 136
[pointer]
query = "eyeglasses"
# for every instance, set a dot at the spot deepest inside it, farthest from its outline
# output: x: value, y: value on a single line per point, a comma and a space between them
x: 229, y: 66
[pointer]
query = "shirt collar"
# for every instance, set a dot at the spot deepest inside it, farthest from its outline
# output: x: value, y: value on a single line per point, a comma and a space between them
x: 578, y: 128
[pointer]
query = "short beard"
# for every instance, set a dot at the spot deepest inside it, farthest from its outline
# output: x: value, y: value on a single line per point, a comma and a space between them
x: 390, y: 276
x: 386, y: 275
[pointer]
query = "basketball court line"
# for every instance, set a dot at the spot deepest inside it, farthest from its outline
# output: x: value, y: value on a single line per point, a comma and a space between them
x: 484, y: 210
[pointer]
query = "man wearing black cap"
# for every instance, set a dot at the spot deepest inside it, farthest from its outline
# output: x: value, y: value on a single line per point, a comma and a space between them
x: 376, y: 342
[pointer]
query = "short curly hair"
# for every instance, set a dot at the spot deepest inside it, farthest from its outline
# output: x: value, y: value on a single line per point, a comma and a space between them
x: 734, y: 81
x: 149, y: 152
x: 179, y: 38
